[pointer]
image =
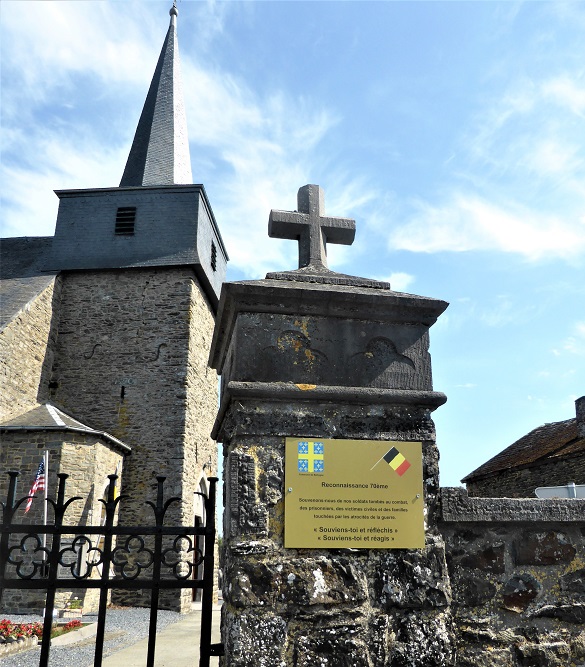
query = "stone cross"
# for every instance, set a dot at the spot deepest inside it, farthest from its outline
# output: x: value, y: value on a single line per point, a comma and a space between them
x: 311, y: 228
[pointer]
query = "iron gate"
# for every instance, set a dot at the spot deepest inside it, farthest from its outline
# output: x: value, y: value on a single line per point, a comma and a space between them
x: 104, y: 564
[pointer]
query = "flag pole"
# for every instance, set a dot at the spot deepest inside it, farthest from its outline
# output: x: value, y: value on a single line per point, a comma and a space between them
x: 45, y: 503
x: 378, y: 461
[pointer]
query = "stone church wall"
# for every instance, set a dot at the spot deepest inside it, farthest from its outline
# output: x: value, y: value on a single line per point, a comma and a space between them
x: 517, y: 579
x: 26, y: 352
x: 202, y: 395
x: 521, y: 482
x: 138, y: 369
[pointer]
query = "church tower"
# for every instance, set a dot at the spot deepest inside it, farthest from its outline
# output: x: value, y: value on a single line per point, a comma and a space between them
x: 141, y: 266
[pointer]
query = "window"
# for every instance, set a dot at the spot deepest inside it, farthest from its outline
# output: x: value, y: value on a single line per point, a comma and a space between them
x: 125, y: 218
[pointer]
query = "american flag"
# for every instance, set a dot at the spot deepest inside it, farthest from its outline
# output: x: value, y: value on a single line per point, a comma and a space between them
x: 38, y: 485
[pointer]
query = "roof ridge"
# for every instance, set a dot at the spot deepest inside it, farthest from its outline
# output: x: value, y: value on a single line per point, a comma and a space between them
x: 528, y: 449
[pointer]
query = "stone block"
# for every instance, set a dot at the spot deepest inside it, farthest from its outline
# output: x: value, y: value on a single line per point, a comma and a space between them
x: 423, y: 640
x: 307, y: 582
x: 486, y: 558
x: 247, y: 516
x: 279, y: 409
x: 330, y: 351
x: 519, y: 591
x: 471, y: 656
x: 343, y: 645
x: 272, y: 479
x: 326, y: 329
x: 457, y: 506
x: 555, y: 654
x: 380, y: 639
x: 254, y: 639
x: 574, y: 582
x: 482, y: 632
x: 418, y: 579
x: 472, y: 590
x: 578, y: 649
x: 569, y: 613
x: 543, y: 548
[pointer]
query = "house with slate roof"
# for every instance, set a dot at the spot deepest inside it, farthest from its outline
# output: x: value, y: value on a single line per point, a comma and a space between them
x: 106, y: 327
x: 550, y: 455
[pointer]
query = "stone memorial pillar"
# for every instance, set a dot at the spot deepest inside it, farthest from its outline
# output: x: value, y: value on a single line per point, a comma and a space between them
x: 321, y: 372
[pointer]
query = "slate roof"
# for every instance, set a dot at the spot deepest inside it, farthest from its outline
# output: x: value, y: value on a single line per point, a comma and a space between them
x: 47, y: 417
x: 21, y: 275
x: 160, y: 150
x: 545, y: 443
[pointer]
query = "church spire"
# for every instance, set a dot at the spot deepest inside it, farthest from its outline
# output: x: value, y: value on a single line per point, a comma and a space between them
x: 160, y: 150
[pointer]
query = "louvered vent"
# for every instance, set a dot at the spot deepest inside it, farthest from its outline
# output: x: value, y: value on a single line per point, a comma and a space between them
x: 125, y: 219
x: 213, y: 256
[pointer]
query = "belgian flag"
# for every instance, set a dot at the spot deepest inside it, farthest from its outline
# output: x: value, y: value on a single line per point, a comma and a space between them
x: 396, y: 461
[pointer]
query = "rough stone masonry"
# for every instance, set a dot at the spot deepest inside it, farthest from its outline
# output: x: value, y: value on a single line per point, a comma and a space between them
x: 315, y: 354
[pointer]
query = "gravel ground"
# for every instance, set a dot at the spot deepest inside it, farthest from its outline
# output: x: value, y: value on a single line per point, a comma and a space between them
x: 123, y: 628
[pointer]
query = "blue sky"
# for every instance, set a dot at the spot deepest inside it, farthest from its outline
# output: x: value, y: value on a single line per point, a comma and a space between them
x: 454, y: 133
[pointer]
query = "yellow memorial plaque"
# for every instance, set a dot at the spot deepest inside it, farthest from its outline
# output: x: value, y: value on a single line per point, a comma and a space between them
x: 363, y: 494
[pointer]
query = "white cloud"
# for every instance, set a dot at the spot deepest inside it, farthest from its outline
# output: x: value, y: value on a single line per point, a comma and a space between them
x: 46, y: 43
x: 566, y: 92
x: 550, y: 157
x: 468, y: 222
x: 399, y: 281
x: 501, y: 313
x: 264, y: 149
x: 575, y: 343
x: 517, y: 185
x: 58, y: 58
x: 71, y: 158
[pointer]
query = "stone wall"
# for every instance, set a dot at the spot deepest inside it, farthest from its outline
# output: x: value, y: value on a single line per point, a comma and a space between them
x: 132, y: 359
x: 521, y: 482
x: 325, y: 361
x: 499, y: 582
x: 87, y: 459
x: 26, y: 354
x: 320, y: 607
x: 517, y: 576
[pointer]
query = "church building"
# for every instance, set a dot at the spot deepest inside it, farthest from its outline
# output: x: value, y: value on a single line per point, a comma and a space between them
x: 106, y: 327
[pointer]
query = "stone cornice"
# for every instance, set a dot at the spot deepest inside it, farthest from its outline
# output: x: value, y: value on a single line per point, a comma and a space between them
x: 281, y: 392
x: 458, y: 507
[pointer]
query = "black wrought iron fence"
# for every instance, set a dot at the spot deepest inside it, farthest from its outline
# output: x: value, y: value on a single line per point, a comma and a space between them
x: 106, y: 557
